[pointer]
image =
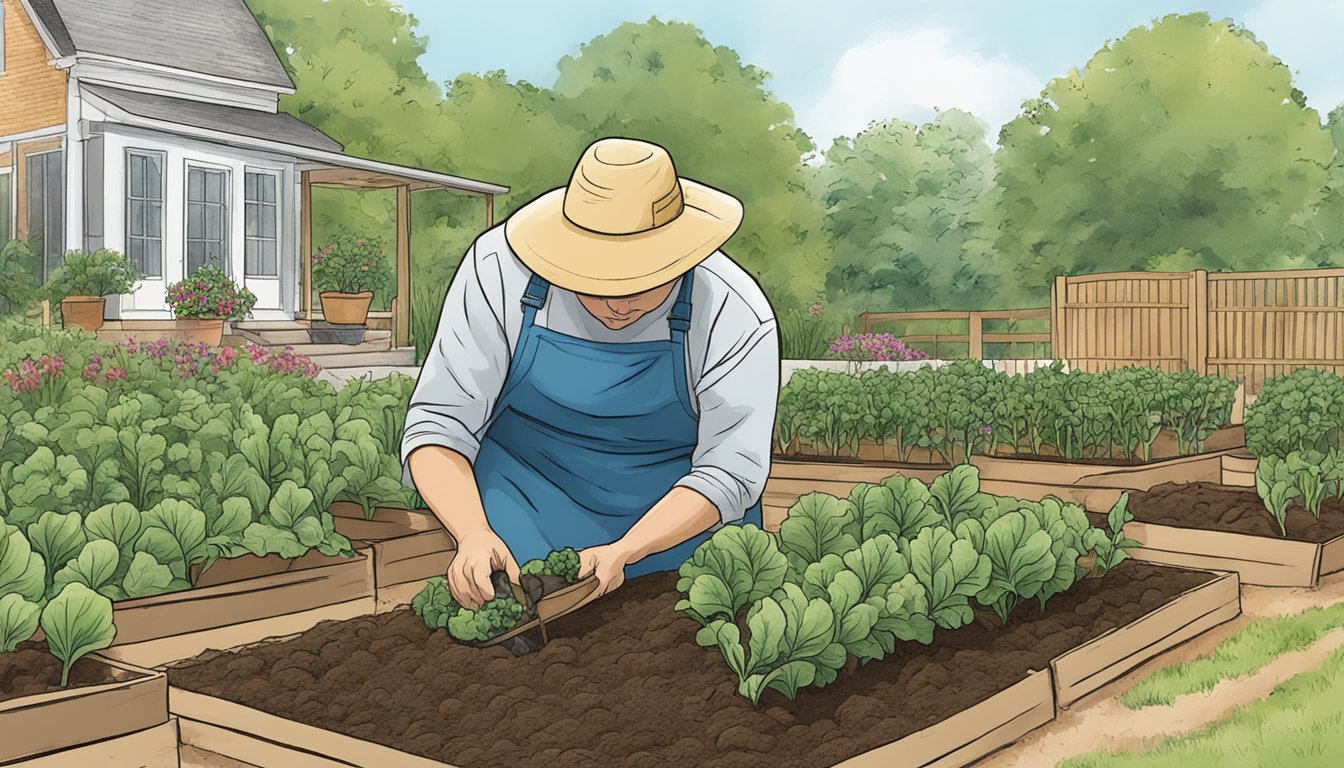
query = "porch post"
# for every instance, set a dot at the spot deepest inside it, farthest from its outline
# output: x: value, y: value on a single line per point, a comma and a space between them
x: 306, y: 244
x: 489, y: 210
x: 401, y: 307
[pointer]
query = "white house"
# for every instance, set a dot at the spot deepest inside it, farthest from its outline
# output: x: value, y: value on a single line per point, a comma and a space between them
x: 151, y: 127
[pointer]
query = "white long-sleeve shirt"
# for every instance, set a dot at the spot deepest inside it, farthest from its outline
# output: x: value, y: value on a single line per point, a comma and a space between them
x: 732, y: 365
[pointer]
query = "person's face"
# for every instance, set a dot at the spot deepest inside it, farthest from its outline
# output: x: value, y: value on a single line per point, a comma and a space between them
x: 618, y: 312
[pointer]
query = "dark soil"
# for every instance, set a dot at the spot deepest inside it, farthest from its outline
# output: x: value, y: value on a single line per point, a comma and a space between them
x: 1214, y: 507
x: 31, y: 670
x: 622, y: 683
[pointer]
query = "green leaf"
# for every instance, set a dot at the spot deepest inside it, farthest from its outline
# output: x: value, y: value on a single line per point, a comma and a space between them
x: 912, y: 506
x: 766, y: 624
x: 119, y: 523
x: 261, y: 540
x: 1020, y: 559
x: 878, y: 563
x: 175, y: 534
x: 814, y: 528
x: 434, y: 604
x: 289, y: 504
x: 95, y: 567
x: 147, y: 577
x: 951, y: 572
x: 22, y: 571
x: 817, y: 578
x: 58, y: 538
x: 738, y: 565
x: 77, y: 622
x: 234, y: 517
x: 18, y: 621
x: 954, y: 493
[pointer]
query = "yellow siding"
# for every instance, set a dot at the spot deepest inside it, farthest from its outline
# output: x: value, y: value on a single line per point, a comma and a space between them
x: 32, y: 90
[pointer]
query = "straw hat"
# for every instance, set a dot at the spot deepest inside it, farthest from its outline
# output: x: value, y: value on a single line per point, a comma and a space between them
x: 626, y: 223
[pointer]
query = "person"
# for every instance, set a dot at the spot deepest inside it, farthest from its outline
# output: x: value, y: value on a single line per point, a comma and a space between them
x: 603, y: 377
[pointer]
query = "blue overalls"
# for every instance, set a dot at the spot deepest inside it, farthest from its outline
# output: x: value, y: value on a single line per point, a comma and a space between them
x: 587, y: 436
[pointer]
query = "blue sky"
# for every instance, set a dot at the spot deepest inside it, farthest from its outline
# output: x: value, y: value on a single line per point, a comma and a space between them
x: 843, y: 63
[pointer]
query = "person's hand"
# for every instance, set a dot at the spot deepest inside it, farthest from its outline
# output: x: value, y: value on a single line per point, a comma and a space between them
x: 479, y: 554
x: 607, y: 563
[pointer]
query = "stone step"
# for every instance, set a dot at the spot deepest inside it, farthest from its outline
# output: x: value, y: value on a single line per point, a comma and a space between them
x: 401, y: 356
x: 319, y: 351
x: 279, y: 337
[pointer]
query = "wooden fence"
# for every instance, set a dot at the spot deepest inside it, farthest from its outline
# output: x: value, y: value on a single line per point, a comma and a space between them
x: 1247, y: 326
x: 975, y: 338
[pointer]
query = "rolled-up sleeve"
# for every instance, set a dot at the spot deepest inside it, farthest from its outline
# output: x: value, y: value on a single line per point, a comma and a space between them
x: 737, y: 397
x: 464, y: 369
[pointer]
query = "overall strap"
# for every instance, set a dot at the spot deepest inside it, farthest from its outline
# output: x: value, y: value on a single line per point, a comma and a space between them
x: 533, y: 298
x: 679, y: 321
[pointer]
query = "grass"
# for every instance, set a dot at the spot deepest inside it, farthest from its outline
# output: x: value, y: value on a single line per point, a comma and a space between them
x: 1242, y: 654
x: 426, y: 304
x: 1300, y: 725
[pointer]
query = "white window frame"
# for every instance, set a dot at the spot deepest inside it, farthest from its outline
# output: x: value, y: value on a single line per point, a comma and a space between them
x: 7, y: 181
x: 163, y: 206
x: 278, y: 176
x: 226, y: 231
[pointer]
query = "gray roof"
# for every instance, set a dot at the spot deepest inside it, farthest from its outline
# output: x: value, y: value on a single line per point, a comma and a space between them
x: 280, y: 127
x: 210, y: 37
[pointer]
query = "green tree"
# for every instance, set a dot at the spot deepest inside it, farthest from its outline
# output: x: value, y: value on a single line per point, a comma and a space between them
x: 910, y: 216
x: 664, y: 82
x: 1184, y: 134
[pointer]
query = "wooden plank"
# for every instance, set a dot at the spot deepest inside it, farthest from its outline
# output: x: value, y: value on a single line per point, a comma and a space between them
x: 489, y: 211
x: 412, y: 558
x: 153, y: 653
x: 401, y: 321
x: 1086, y: 668
x: 47, y: 722
x: 1197, y: 318
x: 1332, y: 556
x: 1058, y: 294
x: 1259, y: 560
x: 154, y: 747
x: 257, y: 737
x: 972, y: 733
x: 333, y: 581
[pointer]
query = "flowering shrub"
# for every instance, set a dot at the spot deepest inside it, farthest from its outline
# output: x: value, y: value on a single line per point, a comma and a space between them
x: 351, y: 265
x: 38, y: 382
x: 805, y: 334
x: 284, y: 361
x: 210, y: 294
x: 880, y: 347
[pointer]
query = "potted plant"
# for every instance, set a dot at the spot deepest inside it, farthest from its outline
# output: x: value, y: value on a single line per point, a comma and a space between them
x: 84, y: 280
x: 202, y: 302
x: 347, y: 273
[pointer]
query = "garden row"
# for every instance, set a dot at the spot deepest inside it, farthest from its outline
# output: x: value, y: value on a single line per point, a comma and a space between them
x: 180, y: 481
x: 908, y: 624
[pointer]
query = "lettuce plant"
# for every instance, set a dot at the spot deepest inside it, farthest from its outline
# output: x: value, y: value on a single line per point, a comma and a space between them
x: 818, y: 524
x: 1110, y: 545
x: 1276, y: 484
x: 95, y: 567
x: 1020, y: 557
x: 22, y: 571
x: 77, y: 622
x: 737, y: 566
x: 952, y: 571
x: 18, y: 621
x: 58, y: 538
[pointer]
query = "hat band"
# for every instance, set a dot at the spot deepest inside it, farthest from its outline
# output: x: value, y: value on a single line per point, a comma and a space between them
x: 662, y: 211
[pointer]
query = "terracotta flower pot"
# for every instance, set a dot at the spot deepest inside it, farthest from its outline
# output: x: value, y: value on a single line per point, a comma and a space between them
x: 194, y: 330
x: 83, y: 312
x: 346, y: 308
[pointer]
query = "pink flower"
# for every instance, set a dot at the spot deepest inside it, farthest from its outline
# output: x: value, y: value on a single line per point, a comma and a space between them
x: 116, y: 374
x: 814, y: 310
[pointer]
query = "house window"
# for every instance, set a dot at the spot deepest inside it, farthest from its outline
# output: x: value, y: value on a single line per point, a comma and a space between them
x: 45, y: 207
x: 207, y: 218
x: 144, y: 211
x: 260, y: 219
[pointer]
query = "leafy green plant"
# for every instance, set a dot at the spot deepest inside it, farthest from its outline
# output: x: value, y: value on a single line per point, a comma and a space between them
x: 1020, y: 557
x: 77, y: 622
x: 22, y: 571
x: 174, y: 534
x: 737, y: 566
x: 92, y: 273
x: 1110, y: 545
x: 18, y: 288
x: 1276, y: 484
x: 351, y: 264
x: 562, y: 564
x: 817, y: 525
x: 1301, y: 411
x: 18, y: 621
x: 95, y: 567
x: 952, y: 571
x: 493, y: 618
x: 58, y: 538
x: 209, y: 293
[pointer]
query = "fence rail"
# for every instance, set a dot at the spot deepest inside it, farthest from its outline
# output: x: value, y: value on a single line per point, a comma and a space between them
x: 975, y: 337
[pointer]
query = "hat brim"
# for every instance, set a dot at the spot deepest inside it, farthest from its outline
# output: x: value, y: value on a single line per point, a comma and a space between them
x: 595, y: 264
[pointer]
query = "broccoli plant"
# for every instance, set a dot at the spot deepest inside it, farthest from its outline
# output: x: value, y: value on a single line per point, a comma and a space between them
x: 438, y: 610
x: 562, y: 564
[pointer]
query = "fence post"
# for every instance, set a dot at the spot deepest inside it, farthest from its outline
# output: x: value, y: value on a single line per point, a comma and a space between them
x: 1058, y: 296
x: 975, y: 334
x: 1197, y: 324
x: 865, y: 321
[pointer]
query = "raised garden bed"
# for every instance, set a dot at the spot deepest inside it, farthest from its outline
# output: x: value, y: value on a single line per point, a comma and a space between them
x: 241, y: 601
x: 408, y: 546
x: 622, y: 681
x: 1094, y: 484
x: 1205, y: 525
x: 110, y: 706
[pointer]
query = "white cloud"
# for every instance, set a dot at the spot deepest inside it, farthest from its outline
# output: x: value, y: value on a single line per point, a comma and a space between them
x: 1305, y: 35
x: 907, y: 75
